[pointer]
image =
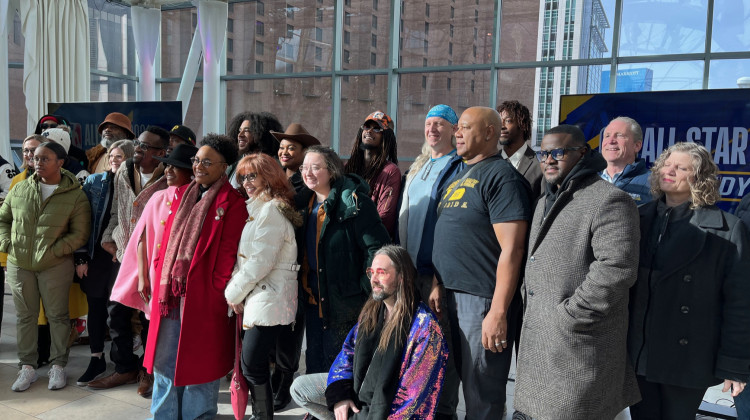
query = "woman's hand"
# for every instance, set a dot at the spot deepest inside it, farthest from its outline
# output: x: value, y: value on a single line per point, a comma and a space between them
x: 82, y: 270
x: 341, y: 409
x: 735, y: 386
x: 237, y: 308
x: 144, y: 287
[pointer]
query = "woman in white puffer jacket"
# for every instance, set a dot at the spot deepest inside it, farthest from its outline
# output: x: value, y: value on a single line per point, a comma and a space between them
x: 263, y: 287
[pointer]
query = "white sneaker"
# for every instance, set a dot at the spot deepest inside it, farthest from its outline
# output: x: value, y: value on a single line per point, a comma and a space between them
x: 26, y: 376
x: 57, y: 379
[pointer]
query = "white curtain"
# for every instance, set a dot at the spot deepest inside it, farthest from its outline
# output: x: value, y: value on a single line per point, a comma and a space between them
x: 56, y: 57
x: 146, y: 31
x: 212, y: 22
x: 7, y: 11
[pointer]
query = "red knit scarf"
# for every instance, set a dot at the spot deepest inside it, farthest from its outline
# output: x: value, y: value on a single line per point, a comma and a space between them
x: 183, y: 240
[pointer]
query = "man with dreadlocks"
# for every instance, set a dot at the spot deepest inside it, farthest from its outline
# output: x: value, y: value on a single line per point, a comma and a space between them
x: 392, y: 363
x: 374, y: 158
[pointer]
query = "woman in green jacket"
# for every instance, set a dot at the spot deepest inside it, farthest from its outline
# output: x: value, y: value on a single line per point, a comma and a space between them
x: 341, y: 233
x: 42, y: 221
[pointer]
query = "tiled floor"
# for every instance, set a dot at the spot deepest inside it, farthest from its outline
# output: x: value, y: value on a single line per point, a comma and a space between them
x: 77, y: 403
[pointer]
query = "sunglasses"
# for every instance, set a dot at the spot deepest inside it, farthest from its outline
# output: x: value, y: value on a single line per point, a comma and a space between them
x: 373, y: 129
x: 46, y: 126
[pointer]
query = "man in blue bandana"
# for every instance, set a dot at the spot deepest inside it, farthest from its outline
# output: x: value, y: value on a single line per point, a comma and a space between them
x: 431, y: 171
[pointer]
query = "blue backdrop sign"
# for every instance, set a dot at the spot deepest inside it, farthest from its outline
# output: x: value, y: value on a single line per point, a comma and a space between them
x: 86, y: 117
x: 717, y: 119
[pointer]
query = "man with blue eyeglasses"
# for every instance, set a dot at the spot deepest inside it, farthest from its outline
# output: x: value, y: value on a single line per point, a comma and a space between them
x: 135, y: 182
x: 581, y: 261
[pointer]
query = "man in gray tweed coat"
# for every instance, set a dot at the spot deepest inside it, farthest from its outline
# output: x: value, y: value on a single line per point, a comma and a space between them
x: 582, y: 260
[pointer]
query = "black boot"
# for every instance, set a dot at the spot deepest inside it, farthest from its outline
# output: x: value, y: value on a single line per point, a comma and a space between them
x: 282, y: 397
x: 262, y: 402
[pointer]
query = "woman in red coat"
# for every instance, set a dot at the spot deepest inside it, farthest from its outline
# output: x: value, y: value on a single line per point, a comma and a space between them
x: 191, y: 338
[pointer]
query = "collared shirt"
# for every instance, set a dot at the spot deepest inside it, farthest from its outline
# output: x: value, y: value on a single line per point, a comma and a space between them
x: 605, y: 176
x: 515, y: 160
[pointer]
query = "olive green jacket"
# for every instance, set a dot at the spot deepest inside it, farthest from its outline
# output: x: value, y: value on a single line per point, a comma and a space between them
x: 38, y: 235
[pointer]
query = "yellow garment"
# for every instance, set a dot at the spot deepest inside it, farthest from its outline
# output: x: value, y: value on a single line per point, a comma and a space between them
x: 77, y: 304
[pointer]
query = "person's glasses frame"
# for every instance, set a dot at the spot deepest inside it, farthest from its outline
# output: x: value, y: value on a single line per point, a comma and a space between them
x: 247, y: 177
x: 145, y: 146
x: 205, y: 162
x: 379, y: 272
x: 557, y: 154
x: 373, y: 129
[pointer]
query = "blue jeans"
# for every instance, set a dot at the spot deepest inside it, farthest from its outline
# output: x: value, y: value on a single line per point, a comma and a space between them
x: 742, y: 404
x: 170, y: 401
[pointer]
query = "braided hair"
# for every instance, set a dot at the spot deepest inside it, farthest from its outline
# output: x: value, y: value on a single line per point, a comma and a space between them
x: 370, y: 170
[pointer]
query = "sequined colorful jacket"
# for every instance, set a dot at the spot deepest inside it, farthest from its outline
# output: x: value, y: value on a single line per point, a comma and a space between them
x: 420, y: 378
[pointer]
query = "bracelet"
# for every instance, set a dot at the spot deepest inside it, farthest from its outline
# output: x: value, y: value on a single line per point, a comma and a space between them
x: 81, y: 261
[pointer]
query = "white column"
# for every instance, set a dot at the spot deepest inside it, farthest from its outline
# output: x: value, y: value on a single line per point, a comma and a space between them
x: 146, y: 32
x: 190, y: 73
x: 212, y: 22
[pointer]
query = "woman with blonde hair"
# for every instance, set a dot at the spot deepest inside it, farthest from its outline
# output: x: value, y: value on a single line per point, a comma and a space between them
x: 690, y: 307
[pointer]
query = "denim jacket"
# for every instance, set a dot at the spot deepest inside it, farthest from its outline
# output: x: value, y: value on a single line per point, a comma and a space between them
x: 98, y: 188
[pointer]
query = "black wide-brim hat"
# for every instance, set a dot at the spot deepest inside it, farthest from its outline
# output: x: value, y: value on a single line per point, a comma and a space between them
x: 180, y: 156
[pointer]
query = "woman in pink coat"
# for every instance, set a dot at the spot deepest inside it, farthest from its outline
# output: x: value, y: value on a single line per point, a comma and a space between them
x: 133, y: 286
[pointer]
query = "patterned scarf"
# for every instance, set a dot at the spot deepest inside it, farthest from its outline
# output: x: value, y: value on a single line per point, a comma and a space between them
x: 183, y: 240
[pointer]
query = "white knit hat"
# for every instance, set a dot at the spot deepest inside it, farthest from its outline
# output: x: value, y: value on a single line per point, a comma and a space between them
x: 59, y: 136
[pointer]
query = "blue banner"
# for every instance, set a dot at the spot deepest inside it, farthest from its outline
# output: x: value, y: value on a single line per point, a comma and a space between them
x: 86, y: 117
x: 717, y: 119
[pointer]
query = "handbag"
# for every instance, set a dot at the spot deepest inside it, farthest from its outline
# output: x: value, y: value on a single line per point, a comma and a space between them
x: 238, y: 388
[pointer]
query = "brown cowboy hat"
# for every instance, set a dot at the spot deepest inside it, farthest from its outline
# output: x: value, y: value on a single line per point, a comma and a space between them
x: 296, y: 132
x: 120, y: 120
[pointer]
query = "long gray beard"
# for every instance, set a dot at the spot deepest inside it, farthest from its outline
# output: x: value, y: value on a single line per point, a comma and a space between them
x: 106, y: 143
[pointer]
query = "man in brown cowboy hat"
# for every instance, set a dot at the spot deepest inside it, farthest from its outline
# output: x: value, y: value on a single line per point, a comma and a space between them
x: 116, y: 126
x: 292, y: 145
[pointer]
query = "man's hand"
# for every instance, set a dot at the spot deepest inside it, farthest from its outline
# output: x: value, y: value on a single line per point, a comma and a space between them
x: 341, y: 409
x: 82, y: 270
x: 111, y: 247
x: 735, y: 386
x: 437, y: 294
x: 494, y: 330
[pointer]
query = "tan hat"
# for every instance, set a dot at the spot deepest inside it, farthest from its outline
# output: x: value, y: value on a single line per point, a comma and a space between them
x: 120, y: 120
x: 296, y: 132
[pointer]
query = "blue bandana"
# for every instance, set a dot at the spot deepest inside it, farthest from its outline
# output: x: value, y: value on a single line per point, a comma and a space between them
x: 445, y: 112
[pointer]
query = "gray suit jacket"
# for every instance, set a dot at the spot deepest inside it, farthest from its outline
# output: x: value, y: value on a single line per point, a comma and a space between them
x: 531, y: 170
x: 583, y: 259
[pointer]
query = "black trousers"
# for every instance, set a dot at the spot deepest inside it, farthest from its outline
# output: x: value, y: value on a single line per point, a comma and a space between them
x: 97, y: 322
x: 257, y: 342
x: 121, y: 331
x: 666, y: 402
x: 289, y: 344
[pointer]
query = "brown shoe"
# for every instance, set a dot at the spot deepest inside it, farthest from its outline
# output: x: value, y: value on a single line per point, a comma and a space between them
x: 114, y: 380
x: 145, y: 384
